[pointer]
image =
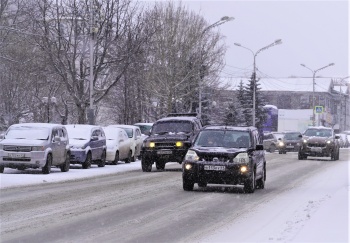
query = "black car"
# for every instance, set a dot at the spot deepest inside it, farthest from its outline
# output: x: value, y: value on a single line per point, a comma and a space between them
x: 290, y: 142
x: 169, y: 140
x: 319, y: 142
x: 225, y: 155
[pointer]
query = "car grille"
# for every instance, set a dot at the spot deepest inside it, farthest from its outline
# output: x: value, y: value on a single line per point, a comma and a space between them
x: 12, y: 148
x: 16, y: 159
x: 165, y: 145
x: 215, y: 158
x: 319, y: 145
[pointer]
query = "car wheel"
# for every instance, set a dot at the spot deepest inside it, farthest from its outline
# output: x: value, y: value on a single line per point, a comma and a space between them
x: 65, y: 166
x: 160, y: 165
x: 2, y: 168
x: 116, y: 158
x: 47, y: 168
x: 146, y: 165
x: 338, y: 155
x: 128, y: 160
x: 187, y: 184
x: 249, y: 184
x: 280, y: 152
x: 102, y: 161
x: 88, y: 160
x: 272, y: 148
x: 261, y: 182
x: 300, y: 156
x: 202, y: 184
x: 133, y: 158
x: 334, y: 155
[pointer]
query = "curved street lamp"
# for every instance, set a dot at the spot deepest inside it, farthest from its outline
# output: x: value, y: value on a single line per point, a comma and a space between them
x: 313, y: 87
x: 217, y: 23
x: 276, y: 42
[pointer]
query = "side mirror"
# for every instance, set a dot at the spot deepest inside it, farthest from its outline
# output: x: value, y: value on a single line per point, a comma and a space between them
x: 259, y: 147
x: 94, y: 138
x: 280, y: 139
x: 337, y: 137
x: 300, y: 136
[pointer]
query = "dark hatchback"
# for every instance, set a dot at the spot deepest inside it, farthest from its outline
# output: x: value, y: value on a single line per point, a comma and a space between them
x: 225, y: 155
x: 290, y: 142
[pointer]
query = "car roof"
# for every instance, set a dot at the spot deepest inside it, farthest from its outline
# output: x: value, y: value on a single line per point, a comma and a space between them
x: 144, y: 123
x: 320, y: 127
x: 233, y: 128
x: 48, y: 125
x: 123, y: 126
x: 178, y: 118
x: 81, y: 126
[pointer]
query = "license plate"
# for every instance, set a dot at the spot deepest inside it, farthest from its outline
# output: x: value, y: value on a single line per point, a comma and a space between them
x: 214, y: 167
x: 319, y: 150
x: 290, y: 147
x: 164, y: 152
x: 15, y: 155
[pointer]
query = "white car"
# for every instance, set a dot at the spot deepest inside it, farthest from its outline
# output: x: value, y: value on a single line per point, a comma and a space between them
x: 145, y: 128
x: 118, y: 145
x: 134, y: 134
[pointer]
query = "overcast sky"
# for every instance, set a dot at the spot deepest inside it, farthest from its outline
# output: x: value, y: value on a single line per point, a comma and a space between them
x: 314, y: 33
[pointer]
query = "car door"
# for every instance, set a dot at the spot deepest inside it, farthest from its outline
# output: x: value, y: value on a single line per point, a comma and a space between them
x: 124, y: 144
x: 56, y: 146
x: 258, y: 154
x: 94, y: 144
x: 138, y: 141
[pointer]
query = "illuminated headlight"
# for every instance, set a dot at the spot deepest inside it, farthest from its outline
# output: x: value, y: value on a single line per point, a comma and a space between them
x: 241, y: 158
x: 38, y: 148
x: 328, y: 142
x: 191, y: 155
x: 244, y: 169
x: 281, y: 144
x: 188, y: 167
x: 304, y: 141
x: 149, y: 144
x: 179, y: 144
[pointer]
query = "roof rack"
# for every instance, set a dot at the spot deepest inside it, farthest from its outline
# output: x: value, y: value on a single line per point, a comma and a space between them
x: 182, y: 114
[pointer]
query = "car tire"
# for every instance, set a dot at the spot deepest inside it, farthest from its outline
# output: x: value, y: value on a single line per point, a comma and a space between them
x: 260, y: 184
x: 280, y: 152
x: 160, y: 165
x: 65, y: 166
x: 128, y: 159
x: 187, y: 184
x: 202, y: 184
x: 133, y: 158
x: 146, y: 165
x: 272, y: 148
x: 87, y: 162
x: 300, y: 156
x: 249, y: 184
x: 116, y: 158
x: 102, y: 161
x: 334, y: 155
x: 47, y: 168
x: 338, y: 154
x: 2, y: 168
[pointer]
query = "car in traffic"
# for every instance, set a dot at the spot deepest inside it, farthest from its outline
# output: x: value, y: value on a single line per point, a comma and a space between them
x: 35, y: 145
x: 134, y: 135
x: 319, y: 142
x: 343, y: 138
x: 87, y: 145
x: 169, y: 140
x: 271, y: 140
x: 225, y: 155
x: 290, y: 142
x: 118, y: 145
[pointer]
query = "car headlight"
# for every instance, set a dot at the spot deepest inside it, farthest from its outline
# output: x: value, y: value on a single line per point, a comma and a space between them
x: 328, y: 142
x: 191, y: 155
x: 304, y: 141
x: 281, y: 144
x: 149, y: 144
x: 241, y: 158
x: 38, y: 148
x: 179, y: 144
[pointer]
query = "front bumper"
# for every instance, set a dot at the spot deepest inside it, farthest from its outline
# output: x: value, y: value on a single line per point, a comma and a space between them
x: 317, y: 151
x: 221, y: 173
x: 167, y: 155
x: 77, y: 156
x: 33, y: 159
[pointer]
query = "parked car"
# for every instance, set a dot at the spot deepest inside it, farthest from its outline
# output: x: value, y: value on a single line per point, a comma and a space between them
x: 144, y: 127
x: 134, y: 134
x: 118, y: 145
x: 35, y: 145
x: 340, y: 141
x: 225, y: 155
x: 169, y: 140
x: 344, y: 140
x: 319, y: 142
x: 270, y: 141
x: 290, y: 142
x: 87, y: 144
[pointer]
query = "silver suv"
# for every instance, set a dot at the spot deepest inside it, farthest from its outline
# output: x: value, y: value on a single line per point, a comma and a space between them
x: 35, y: 145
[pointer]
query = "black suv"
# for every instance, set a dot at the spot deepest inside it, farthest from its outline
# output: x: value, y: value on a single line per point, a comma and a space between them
x: 319, y: 142
x: 225, y: 155
x: 169, y: 140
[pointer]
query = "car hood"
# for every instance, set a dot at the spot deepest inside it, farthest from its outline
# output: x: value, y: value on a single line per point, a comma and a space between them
x: 315, y: 139
x: 77, y: 142
x: 218, y: 151
x: 167, y: 137
x: 23, y: 142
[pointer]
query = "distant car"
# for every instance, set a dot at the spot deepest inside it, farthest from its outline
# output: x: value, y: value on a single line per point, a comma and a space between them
x: 270, y: 141
x: 290, y: 142
x: 344, y: 138
x: 225, y: 155
x: 87, y: 144
x: 340, y: 141
x: 118, y: 145
x: 144, y: 127
x: 319, y: 142
x: 35, y: 145
x: 134, y: 134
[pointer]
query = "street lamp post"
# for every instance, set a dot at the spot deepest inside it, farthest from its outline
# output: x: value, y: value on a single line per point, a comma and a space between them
x: 220, y: 22
x: 313, y: 88
x: 48, y: 101
x: 276, y: 42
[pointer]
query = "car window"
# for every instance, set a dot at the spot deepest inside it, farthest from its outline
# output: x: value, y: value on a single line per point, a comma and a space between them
x: 28, y: 133
x: 172, y: 127
x: 223, y: 138
x: 318, y: 132
x: 291, y: 136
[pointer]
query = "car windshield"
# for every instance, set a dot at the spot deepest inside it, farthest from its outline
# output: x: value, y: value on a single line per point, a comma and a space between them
x: 172, y: 127
x: 145, y: 129
x: 79, y: 133
x: 223, y: 138
x: 291, y: 136
x: 279, y: 135
x: 111, y: 134
x: 318, y: 132
x: 35, y: 133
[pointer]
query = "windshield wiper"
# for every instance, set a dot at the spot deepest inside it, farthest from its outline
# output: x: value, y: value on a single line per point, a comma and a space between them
x: 161, y: 133
x: 80, y: 138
